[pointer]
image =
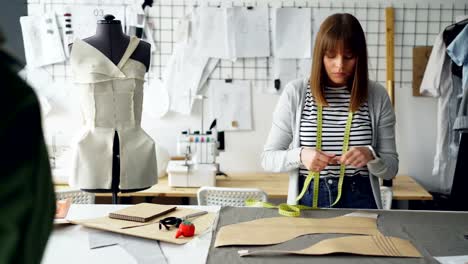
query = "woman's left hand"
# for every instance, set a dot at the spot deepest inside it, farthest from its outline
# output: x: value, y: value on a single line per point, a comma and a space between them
x: 356, y: 156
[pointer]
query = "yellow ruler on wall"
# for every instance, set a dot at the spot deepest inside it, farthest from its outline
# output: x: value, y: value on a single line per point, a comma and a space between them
x: 389, y: 33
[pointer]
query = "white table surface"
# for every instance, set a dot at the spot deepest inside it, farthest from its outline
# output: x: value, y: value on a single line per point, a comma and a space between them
x: 69, y: 243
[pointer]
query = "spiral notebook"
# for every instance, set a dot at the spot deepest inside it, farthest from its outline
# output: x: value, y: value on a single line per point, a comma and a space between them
x: 142, y: 212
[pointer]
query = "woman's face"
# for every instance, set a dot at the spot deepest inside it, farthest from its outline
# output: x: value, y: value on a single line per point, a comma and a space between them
x: 339, y: 66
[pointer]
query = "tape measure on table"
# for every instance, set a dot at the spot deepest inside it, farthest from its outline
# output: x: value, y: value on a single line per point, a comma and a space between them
x: 295, y: 210
x: 283, y: 209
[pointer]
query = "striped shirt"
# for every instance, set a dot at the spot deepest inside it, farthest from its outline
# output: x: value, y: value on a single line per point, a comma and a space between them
x: 333, y: 125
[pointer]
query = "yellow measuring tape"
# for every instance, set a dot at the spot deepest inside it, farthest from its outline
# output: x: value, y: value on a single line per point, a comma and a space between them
x: 295, y: 210
x: 283, y: 209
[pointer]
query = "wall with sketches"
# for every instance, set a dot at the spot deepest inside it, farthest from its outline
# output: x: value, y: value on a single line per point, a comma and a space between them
x: 416, y: 116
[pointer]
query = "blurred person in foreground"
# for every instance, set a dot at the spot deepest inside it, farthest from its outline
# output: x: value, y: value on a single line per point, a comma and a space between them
x: 27, y: 200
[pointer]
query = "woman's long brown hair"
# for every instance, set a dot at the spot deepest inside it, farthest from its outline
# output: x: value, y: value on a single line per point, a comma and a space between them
x: 340, y: 32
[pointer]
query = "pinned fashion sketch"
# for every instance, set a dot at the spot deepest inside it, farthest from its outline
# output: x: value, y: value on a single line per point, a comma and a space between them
x: 113, y: 152
x: 42, y: 43
x: 231, y: 104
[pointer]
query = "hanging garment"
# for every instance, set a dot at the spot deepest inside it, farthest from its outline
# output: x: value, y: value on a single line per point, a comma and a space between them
x: 112, y: 98
x: 461, y: 122
x: 450, y: 33
x: 458, y: 51
x: 439, y: 82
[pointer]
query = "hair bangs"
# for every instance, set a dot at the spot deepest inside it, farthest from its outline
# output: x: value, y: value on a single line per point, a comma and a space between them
x: 340, y: 37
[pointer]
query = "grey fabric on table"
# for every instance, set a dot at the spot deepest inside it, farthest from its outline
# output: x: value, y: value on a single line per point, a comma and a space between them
x: 432, y: 233
x: 145, y: 251
x: 100, y: 239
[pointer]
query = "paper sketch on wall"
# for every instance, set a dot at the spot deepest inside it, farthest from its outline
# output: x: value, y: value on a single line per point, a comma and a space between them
x: 138, y: 24
x: 193, y: 66
x: 248, y: 32
x: 231, y: 104
x: 42, y: 41
x: 86, y: 16
x: 211, y: 33
x: 182, y: 29
x: 292, y: 33
x: 286, y: 70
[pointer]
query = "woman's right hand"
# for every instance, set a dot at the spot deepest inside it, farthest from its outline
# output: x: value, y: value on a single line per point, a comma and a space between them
x: 316, y: 160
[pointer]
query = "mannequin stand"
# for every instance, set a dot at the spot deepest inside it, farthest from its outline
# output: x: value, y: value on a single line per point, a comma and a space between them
x: 115, y: 169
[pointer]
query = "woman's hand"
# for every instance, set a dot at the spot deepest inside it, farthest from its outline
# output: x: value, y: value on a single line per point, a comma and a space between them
x: 316, y: 160
x: 356, y: 156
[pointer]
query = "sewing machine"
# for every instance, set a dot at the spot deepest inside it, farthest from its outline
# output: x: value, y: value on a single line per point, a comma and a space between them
x: 199, y: 167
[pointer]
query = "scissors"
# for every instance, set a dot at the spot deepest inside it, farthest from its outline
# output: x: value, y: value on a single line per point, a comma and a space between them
x: 171, y: 221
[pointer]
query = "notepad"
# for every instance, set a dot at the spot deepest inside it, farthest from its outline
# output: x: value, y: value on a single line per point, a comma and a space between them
x: 142, y: 212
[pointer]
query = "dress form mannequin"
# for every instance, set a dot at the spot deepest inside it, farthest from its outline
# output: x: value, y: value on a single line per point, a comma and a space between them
x: 112, y: 43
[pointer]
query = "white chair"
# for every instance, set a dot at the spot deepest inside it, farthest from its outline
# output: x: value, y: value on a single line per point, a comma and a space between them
x: 78, y: 196
x: 229, y: 196
x: 386, y: 195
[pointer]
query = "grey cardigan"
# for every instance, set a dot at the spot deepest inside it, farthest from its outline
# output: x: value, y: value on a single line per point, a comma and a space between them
x: 282, y: 149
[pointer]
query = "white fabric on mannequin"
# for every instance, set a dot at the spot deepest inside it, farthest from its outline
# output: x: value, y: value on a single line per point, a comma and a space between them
x: 112, y: 98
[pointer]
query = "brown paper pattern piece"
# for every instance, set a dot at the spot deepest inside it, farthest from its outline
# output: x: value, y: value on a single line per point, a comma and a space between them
x: 275, y: 230
x: 361, y: 245
x: 151, y: 230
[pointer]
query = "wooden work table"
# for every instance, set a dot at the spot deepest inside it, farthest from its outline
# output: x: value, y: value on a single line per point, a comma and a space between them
x: 275, y: 185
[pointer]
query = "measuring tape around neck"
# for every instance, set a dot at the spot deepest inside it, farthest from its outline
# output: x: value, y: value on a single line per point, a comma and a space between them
x: 295, y: 210
x: 315, y: 174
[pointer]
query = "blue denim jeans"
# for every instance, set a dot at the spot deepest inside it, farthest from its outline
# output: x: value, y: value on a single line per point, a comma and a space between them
x: 356, y: 193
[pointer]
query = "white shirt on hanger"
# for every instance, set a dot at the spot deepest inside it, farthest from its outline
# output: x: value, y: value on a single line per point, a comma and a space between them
x: 438, y: 82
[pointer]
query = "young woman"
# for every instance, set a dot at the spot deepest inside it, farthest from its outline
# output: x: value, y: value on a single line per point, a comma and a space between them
x: 316, y: 119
